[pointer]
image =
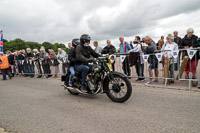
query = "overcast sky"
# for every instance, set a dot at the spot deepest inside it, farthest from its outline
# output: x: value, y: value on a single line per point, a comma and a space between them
x: 63, y: 20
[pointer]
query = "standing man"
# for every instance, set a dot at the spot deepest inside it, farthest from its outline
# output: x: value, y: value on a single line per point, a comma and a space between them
x: 20, y: 62
x: 124, y: 48
x: 11, y: 62
x: 44, y: 62
x: 69, y: 45
x: 131, y: 44
x: 108, y: 50
x: 37, y: 62
x: 139, y: 66
x: 177, y: 39
x: 30, y: 68
x: 152, y: 59
x: 97, y: 48
x: 4, y: 66
x: 62, y: 57
x: 161, y: 43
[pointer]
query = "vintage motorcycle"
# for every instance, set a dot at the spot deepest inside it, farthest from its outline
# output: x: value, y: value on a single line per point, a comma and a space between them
x: 102, y: 79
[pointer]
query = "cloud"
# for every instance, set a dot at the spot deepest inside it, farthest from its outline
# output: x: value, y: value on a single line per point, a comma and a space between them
x: 62, y: 20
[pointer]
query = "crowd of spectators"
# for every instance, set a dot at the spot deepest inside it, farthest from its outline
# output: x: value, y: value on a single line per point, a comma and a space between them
x: 31, y: 63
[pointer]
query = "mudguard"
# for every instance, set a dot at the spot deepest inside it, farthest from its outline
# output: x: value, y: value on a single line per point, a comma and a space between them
x: 106, y: 79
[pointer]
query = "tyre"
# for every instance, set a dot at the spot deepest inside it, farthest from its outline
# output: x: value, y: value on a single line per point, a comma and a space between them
x: 120, y: 90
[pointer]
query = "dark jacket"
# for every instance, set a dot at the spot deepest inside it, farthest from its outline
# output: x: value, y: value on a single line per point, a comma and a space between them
x: 45, y: 60
x: 133, y: 58
x: 72, y: 57
x: 53, y: 61
x: 151, y: 49
x: 108, y: 50
x: 36, y: 55
x: 190, y: 42
x: 29, y: 56
x: 42, y: 55
x: 11, y: 59
x: 178, y: 40
x: 83, y: 54
x: 20, y: 57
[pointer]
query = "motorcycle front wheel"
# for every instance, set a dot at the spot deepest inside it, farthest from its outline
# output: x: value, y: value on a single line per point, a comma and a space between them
x: 119, y: 89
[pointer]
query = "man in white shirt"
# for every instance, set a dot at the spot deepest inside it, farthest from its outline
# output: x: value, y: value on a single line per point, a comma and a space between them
x: 139, y: 66
x: 97, y: 48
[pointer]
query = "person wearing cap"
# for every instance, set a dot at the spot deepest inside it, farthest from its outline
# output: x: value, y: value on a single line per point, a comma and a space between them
x: 189, y: 42
x: 4, y: 66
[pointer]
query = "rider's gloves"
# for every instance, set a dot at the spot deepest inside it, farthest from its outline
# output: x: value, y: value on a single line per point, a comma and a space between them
x: 91, y: 60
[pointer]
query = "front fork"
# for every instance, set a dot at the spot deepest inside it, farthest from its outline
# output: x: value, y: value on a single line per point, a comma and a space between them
x: 115, y: 85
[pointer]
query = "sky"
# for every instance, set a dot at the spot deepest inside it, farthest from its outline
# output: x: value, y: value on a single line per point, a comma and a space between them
x: 62, y: 20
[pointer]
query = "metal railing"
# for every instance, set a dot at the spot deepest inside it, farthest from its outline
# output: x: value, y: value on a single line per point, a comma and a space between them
x: 169, y: 69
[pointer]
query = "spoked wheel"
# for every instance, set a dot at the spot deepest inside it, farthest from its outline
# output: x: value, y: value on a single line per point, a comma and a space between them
x: 119, y: 89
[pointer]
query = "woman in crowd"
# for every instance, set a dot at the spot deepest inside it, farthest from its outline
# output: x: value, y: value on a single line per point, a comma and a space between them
x: 20, y: 58
x: 37, y: 62
x: 170, y: 64
x: 53, y: 63
x: 16, y: 68
x: 190, y: 41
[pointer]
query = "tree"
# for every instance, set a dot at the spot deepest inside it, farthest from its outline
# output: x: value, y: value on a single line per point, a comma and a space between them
x: 19, y: 44
x: 47, y: 45
x: 16, y: 44
x: 33, y: 45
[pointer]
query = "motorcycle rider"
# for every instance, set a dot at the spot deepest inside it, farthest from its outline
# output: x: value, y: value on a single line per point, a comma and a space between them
x: 83, y: 57
x: 72, y: 59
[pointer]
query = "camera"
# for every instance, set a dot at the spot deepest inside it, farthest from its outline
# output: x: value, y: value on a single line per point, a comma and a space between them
x: 135, y: 42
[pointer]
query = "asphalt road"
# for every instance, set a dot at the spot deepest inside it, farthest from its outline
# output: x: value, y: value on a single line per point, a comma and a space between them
x: 42, y: 106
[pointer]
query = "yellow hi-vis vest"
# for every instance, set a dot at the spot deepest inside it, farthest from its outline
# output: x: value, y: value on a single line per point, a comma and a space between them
x: 4, y: 64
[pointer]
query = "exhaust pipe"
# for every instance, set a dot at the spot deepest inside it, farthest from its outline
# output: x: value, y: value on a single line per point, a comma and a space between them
x: 74, y: 90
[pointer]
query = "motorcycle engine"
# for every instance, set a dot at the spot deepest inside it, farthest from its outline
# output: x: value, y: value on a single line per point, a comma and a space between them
x: 76, y: 82
x: 94, y: 78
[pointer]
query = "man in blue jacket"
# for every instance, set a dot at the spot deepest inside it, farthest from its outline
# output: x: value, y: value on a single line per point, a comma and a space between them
x: 124, y: 48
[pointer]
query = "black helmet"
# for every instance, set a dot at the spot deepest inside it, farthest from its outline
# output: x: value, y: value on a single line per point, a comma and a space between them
x: 75, y: 42
x: 85, y: 38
